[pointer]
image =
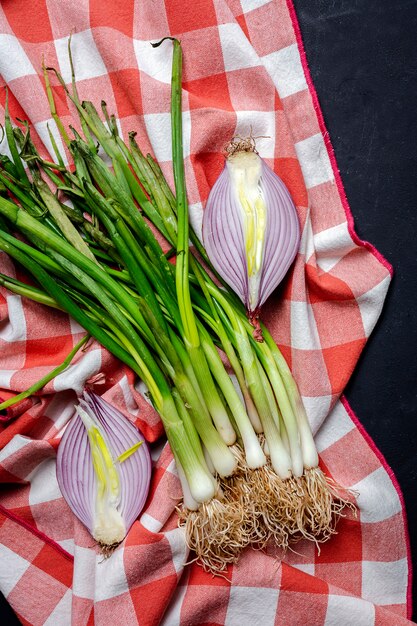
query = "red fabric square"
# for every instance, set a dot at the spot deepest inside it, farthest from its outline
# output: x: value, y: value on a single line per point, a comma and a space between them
x: 49, y: 561
x: 207, y: 167
x: 297, y: 609
x: 35, y: 15
x: 183, y: 18
x: 198, y: 577
x: 50, y: 352
x: 276, y: 315
x: 116, y: 15
x: 325, y: 286
x: 295, y: 580
x: 126, y: 90
x: 156, y: 560
x: 149, y: 598
x: 209, y: 92
x: 345, y: 545
x: 290, y: 171
x: 340, y: 361
x: 251, y: 89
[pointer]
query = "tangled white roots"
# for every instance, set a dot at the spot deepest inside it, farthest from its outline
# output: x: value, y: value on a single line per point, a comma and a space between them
x: 254, y: 507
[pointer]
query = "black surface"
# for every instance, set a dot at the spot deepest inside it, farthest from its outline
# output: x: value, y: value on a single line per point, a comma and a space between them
x: 363, y: 60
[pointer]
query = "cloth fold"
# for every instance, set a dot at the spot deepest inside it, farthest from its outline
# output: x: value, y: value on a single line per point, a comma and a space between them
x: 244, y: 72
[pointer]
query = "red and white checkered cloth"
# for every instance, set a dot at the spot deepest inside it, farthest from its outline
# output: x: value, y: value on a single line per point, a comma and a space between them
x: 244, y: 70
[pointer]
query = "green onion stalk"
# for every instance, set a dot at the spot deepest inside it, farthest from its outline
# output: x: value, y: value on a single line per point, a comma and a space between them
x: 242, y: 444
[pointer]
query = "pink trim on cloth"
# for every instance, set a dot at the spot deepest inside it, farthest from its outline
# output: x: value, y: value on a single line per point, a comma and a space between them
x: 381, y: 259
x: 329, y: 146
x: 36, y: 532
x: 397, y: 487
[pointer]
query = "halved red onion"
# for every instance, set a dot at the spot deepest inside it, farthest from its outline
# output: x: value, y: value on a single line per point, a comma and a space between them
x: 250, y: 228
x: 76, y: 474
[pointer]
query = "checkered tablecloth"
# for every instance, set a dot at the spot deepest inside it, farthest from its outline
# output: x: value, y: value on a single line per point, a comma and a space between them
x: 244, y: 70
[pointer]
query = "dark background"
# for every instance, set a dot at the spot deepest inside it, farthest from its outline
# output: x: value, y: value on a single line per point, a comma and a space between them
x: 363, y: 60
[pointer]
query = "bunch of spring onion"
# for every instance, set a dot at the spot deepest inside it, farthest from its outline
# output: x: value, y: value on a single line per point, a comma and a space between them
x: 244, y: 450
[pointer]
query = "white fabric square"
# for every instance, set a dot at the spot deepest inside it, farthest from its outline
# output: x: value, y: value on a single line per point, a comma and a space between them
x: 42, y: 130
x: 150, y: 523
x: 250, y: 5
x: 155, y: 62
x: 317, y: 409
x: 179, y: 549
x: 110, y: 576
x: 68, y: 545
x: 307, y: 240
x: 378, y: 500
x: 131, y: 405
x: 172, y: 616
x: 18, y: 442
x: 15, y: 327
x: 337, y: 425
x: 385, y: 583
x: 196, y: 218
x: 61, y: 409
x: 251, y: 605
x: 43, y: 483
x: 237, y: 50
x: 262, y: 125
x: 84, y: 572
x: 14, y: 62
x: 285, y: 69
x: 314, y: 160
x: 370, y: 304
x: 12, y: 568
x: 304, y: 334
x: 355, y: 610
x: 75, y: 376
x: 61, y: 612
x: 5, y: 378
x: 158, y: 127
x: 76, y: 328
x: 86, y: 57
x: 331, y: 245
x: 308, y: 568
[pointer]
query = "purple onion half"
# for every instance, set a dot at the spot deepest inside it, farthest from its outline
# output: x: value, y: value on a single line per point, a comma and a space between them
x: 75, y: 471
x: 224, y: 237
